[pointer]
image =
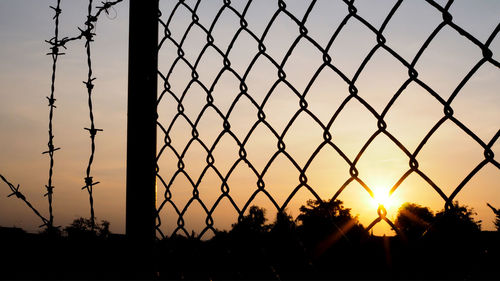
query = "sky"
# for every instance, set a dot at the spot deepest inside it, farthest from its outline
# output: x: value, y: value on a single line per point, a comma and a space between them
x: 447, y: 158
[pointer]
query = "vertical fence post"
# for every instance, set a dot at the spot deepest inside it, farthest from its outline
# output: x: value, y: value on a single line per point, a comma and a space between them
x: 141, y: 122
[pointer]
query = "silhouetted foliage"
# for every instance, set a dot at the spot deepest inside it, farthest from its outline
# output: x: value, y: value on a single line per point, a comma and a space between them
x: 51, y: 231
x: 497, y: 219
x: 328, y: 220
x: 453, y: 240
x: 331, y: 237
x: 252, y: 223
x: 287, y: 250
x: 413, y: 220
x: 456, y: 221
x: 255, y: 250
x: 283, y: 224
x: 82, y: 228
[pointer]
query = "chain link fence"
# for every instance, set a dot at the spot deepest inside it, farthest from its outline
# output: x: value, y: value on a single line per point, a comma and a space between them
x: 221, y: 68
x: 203, y: 45
x: 251, y: 94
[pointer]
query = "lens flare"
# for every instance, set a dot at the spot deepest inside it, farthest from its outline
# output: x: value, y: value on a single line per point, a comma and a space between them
x: 381, y: 197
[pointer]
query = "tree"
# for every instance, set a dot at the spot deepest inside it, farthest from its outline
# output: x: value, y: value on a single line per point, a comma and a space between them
x: 254, y: 222
x: 452, y: 241
x: 82, y: 227
x: 497, y: 213
x: 51, y: 231
x: 323, y: 223
x: 413, y: 220
x: 286, y: 251
x: 456, y: 222
x: 283, y: 223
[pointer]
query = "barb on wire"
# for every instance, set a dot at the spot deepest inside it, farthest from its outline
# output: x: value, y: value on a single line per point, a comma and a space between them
x: 55, y: 48
x: 88, y: 33
x: 281, y: 10
x: 15, y: 191
x: 56, y: 44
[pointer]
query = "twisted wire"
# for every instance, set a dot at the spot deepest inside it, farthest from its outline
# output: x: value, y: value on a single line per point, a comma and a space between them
x: 89, y: 183
x: 54, y: 42
x: 15, y: 191
x: 245, y: 92
x: 88, y: 33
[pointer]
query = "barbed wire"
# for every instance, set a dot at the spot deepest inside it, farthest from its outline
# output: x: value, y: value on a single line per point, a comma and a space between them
x: 56, y: 43
x: 15, y: 191
x: 89, y: 183
x: 54, y: 53
x: 354, y: 175
x: 88, y: 34
x: 51, y: 148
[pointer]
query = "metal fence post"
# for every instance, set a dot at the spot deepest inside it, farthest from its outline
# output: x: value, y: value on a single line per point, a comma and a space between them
x: 141, y: 122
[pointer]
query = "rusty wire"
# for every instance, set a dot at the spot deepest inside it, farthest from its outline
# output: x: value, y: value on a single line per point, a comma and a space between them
x: 351, y: 15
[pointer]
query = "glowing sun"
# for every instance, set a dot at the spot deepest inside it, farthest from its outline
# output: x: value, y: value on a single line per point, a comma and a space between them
x: 381, y: 197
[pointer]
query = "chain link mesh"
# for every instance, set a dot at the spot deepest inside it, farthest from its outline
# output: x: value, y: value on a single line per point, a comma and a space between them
x: 192, y: 11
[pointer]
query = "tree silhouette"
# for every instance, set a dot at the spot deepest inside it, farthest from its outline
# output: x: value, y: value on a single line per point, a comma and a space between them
x: 51, y: 231
x: 254, y: 222
x: 247, y: 245
x: 457, y: 221
x: 452, y: 241
x: 325, y: 223
x: 82, y: 228
x: 497, y: 213
x: 287, y: 249
x: 413, y: 220
x: 283, y: 223
x: 321, y: 218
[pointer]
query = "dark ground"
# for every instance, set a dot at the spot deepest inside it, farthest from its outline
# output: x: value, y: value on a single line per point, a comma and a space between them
x: 266, y: 256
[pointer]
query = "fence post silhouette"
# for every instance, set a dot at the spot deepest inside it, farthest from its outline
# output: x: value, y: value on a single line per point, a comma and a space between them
x: 141, y: 123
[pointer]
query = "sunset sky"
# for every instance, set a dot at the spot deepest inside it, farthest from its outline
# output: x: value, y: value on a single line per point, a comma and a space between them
x: 447, y: 158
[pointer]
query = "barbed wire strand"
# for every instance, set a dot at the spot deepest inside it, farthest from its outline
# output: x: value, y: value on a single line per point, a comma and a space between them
x: 89, y: 34
x: 54, y: 42
x: 55, y: 46
x: 89, y: 183
x: 15, y: 191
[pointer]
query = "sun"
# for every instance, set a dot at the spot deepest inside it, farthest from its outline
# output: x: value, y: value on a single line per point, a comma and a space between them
x: 381, y: 197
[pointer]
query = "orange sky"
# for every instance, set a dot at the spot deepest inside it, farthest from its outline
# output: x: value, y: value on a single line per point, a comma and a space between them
x: 447, y: 157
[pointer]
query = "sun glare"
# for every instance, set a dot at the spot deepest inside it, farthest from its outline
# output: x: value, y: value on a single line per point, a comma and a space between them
x: 381, y: 197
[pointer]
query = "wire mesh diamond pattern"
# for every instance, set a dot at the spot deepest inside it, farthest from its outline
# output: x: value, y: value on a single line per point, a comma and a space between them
x: 217, y: 56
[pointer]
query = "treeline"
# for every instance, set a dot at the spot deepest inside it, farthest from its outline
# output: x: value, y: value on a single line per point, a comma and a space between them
x: 327, y: 242
x: 324, y: 242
